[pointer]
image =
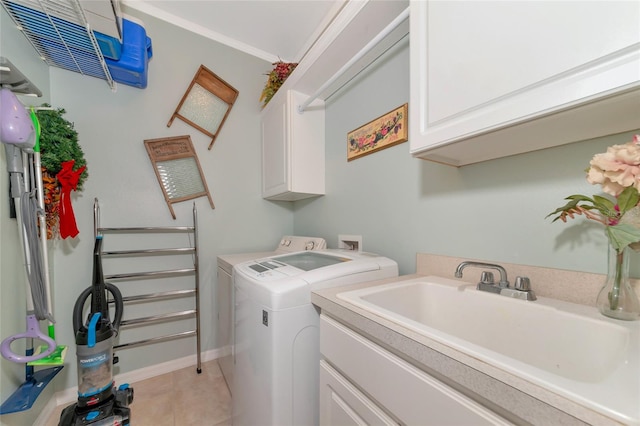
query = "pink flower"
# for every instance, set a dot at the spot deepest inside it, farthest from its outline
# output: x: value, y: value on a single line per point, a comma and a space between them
x: 617, y: 169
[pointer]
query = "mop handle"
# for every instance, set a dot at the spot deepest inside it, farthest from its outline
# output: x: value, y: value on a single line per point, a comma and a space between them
x: 33, y: 332
x: 42, y: 219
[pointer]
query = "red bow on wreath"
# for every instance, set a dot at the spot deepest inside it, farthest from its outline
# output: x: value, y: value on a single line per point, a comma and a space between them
x: 68, y: 179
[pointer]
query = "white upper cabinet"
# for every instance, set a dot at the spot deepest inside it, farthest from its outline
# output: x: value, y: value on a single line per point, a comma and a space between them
x: 493, y: 79
x: 292, y: 148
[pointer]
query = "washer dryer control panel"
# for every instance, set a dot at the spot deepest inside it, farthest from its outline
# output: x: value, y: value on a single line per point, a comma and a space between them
x: 291, y: 264
x: 265, y: 270
x: 267, y: 265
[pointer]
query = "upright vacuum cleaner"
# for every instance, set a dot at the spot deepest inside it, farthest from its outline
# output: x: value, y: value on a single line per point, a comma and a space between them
x: 99, y: 402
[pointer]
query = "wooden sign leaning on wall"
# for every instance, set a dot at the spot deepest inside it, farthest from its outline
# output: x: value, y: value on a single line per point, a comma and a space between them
x: 385, y: 131
x: 177, y: 168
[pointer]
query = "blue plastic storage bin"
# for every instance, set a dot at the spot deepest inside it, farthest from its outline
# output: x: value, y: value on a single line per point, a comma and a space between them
x: 131, y: 69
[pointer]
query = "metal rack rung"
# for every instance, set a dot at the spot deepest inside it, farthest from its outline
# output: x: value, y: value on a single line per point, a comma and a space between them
x: 149, y: 252
x: 154, y: 274
x: 174, y: 294
x: 149, y: 229
x: 153, y: 340
x: 158, y: 318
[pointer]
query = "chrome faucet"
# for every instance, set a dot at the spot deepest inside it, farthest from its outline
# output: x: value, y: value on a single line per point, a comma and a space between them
x: 522, y: 288
x: 504, y: 282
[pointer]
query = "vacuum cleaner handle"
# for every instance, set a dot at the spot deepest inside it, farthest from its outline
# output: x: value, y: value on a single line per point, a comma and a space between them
x: 98, y: 290
x: 79, y: 306
x: 33, y: 332
x: 98, y: 302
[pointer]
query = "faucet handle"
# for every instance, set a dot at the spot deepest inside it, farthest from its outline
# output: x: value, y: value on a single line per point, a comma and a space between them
x: 522, y: 284
x: 487, y: 277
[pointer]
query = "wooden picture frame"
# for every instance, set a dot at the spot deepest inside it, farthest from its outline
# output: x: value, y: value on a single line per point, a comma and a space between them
x: 385, y: 131
x: 178, y: 170
x: 206, y: 103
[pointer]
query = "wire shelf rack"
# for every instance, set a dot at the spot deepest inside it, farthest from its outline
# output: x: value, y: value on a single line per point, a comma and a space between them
x: 59, y: 32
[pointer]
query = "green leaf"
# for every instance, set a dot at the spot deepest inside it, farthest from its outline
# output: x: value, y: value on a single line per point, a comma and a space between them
x: 574, y: 203
x: 621, y: 235
x: 604, y: 201
x: 628, y: 199
x: 569, y: 206
x: 605, y: 206
x: 578, y: 197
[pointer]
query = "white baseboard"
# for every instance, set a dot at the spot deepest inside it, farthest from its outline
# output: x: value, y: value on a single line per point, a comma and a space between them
x: 68, y: 396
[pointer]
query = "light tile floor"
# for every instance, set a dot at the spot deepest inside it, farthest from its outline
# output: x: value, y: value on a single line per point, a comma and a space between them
x: 179, y: 398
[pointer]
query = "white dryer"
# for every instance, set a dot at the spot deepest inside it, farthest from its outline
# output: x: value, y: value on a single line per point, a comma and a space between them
x: 276, y: 331
x: 224, y: 292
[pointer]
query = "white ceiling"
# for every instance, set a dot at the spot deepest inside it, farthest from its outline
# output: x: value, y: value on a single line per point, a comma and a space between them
x: 269, y: 29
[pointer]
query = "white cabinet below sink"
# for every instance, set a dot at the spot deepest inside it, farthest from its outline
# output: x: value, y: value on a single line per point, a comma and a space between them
x: 343, y: 404
x: 493, y: 79
x: 292, y: 148
x: 370, y: 385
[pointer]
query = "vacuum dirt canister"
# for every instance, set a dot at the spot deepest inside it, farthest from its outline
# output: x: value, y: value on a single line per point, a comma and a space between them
x: 95, y: 360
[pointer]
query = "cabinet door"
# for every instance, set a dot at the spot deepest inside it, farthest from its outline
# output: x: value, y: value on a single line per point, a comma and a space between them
x: 306, y: 129
x: 341, y: 403
x: 275, y: 151
x: 483, y: 67
x: 410, y: 394
x: 292, y: 148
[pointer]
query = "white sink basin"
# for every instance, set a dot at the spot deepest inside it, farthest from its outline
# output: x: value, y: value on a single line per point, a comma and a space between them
x: 564, y: 347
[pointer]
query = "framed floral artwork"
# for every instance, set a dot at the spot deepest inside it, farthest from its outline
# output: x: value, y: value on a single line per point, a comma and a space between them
x: 387, y: 130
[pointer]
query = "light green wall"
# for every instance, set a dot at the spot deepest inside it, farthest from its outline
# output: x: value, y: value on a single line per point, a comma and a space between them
x: 493, y: 210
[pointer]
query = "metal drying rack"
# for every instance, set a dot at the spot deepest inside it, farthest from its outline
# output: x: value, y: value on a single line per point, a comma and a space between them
x: 160, y: 296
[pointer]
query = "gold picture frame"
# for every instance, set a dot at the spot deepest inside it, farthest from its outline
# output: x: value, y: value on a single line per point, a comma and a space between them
x: 385, y: 131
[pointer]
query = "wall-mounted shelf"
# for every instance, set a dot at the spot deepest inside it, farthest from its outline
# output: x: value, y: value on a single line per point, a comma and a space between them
x: 59, y: 32
x: 14, y: 80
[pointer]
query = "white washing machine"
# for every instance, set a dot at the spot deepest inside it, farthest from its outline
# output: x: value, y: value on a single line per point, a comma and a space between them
x: 276, y: 331
x: 224, y: 292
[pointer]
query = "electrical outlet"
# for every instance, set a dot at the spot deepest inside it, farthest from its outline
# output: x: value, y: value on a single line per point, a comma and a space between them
x: 350, y: 242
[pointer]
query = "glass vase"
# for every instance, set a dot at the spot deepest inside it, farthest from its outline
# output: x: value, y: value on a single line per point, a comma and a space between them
x: 617, y: 299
